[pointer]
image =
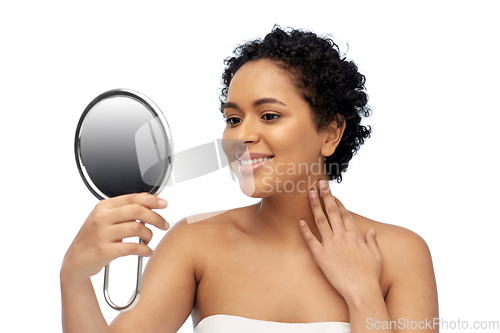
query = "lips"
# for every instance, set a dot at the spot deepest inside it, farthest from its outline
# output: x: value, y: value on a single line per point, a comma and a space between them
x: 248, y: 169
x: 252, y: 156
x: 255, y: 160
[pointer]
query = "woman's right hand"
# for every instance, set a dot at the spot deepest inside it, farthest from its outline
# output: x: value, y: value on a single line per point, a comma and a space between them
x: 99, y: 241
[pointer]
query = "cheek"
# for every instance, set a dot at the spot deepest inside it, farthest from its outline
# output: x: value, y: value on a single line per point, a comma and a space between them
x: 228, y: 145
x: 226, y: 133
x: 298, y: 142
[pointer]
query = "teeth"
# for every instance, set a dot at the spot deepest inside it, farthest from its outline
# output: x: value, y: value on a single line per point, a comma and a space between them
x: 255, y: 160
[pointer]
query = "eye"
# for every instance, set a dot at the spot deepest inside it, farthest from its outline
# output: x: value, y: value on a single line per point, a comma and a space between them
x: 271, y: 114
x: 229, y: 121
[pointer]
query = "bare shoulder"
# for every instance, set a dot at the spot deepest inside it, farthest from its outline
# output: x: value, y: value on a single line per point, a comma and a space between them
x: 193, y: 228
x: 407, y: 276
x: 391, y: 237
x: 200, y: 235
x: 400, y: 247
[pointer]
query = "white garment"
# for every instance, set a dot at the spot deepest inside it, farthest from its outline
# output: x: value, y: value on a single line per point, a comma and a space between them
x: 222, y: 323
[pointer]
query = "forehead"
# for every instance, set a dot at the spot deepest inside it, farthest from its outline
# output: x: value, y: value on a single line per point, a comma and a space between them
x: 261, y: 78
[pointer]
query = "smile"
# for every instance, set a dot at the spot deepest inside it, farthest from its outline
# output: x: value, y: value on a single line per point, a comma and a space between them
x: 248, y: 167
x: 255, y: 160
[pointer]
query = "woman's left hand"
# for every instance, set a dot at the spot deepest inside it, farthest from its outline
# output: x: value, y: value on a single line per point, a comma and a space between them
x: 351, y: 263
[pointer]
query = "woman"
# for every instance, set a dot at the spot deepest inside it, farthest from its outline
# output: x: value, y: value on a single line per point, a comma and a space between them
x: 291, y: 100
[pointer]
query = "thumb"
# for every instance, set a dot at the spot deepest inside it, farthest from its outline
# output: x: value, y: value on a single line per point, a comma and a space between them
x: 372, y: 242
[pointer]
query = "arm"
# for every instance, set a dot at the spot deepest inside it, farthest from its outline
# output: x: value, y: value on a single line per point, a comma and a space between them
x: 169, y: 286
x: 167, y: 297
x: 412, y: 297
x: 169, y: 279
x: 80, y: 309
x: 97, y: 243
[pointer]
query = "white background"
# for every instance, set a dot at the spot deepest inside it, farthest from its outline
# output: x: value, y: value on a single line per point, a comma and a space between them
x: 431, y: 164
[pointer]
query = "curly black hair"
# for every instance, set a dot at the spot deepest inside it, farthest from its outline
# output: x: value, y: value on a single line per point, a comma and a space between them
x: 331, y: 84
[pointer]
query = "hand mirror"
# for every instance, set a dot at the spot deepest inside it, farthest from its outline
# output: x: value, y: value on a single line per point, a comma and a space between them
x: 123, y: 145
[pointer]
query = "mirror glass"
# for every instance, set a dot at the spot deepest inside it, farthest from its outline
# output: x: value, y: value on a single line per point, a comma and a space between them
x: 123, y: 145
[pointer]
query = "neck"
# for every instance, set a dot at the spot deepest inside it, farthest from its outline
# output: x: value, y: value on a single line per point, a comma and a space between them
x: 277, y: 217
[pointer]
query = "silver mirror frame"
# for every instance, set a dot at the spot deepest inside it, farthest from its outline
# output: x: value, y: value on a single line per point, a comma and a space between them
x: 157, y: 114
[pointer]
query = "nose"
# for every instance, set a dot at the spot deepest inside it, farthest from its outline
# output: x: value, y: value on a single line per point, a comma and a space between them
x: 248, y: 131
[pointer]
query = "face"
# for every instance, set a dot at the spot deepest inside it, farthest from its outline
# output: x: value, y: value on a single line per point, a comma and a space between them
x: 267, y: 117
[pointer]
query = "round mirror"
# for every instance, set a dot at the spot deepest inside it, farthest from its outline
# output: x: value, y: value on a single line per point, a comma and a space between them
x: 123, y: 145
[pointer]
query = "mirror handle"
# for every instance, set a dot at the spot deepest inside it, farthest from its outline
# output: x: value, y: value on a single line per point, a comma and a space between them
x: 135, y: 296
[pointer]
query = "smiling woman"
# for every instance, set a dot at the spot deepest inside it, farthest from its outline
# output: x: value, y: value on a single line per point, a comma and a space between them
x: 298, y: 260
x: 265, y: 113
x: 330, y: 85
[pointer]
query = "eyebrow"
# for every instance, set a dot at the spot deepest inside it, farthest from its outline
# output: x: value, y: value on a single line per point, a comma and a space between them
x: 266, y: 100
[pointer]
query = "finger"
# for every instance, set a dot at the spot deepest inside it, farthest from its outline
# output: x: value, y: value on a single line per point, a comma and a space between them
x: 319, y: 216
x: 371, y: 242
x: 331, y: 208
x: 349, y: 223
x: 116, y: 250
x: 315, y: 187
x: 309, y: 237
x: 145, y: 199
x: 134, y: 212
x: 131, y: 229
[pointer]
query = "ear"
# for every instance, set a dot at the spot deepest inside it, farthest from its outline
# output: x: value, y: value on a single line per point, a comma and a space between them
x: 332, y: 136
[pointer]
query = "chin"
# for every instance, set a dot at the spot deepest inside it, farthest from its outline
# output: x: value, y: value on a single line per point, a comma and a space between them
x: 258, y: 194
x: 257, y: 188
x: 254, y: 189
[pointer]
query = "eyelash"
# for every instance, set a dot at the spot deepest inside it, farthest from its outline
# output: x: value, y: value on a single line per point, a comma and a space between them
x: 228, y: 120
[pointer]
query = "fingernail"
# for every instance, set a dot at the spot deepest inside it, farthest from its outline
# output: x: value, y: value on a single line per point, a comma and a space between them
x: 312, y: 194
x: 162, y: 203
x: 323, y: 185
x: 167, y: 225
